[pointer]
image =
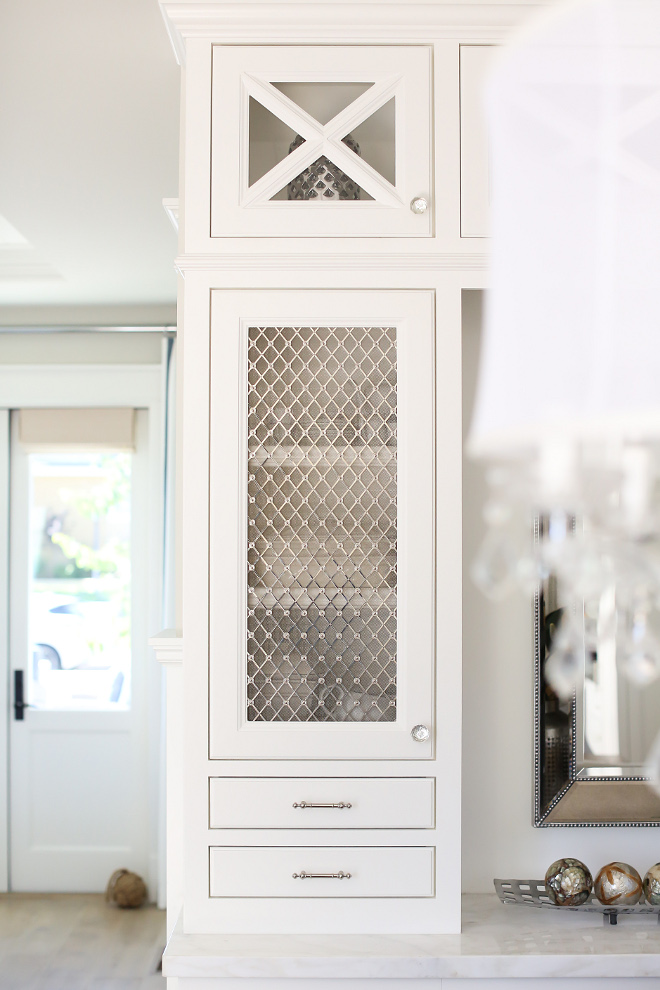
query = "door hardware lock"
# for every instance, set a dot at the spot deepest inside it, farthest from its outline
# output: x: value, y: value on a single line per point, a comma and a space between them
x: 20, y: 704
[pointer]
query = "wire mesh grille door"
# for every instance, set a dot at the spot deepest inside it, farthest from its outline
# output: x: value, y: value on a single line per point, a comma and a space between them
x: 322, y: 524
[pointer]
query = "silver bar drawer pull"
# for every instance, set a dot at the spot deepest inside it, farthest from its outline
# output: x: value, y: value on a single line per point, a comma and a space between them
x: 309, y: 804
x: 321, y: 876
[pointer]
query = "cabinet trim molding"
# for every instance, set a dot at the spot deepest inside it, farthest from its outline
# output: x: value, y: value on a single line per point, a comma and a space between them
x: 337, y: 261
x: 361, y: 21
x: 168, y: 646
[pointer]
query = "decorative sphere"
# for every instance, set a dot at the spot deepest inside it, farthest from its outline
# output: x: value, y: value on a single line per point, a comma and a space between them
x: 126, y: 889
x: 651, y: 884
x: 568, y: 882
x: 618, y: 883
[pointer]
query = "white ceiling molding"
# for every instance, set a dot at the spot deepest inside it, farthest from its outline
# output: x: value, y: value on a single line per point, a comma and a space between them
x: 18, y: 258
x: 10, y: 237
x: 16, y: 267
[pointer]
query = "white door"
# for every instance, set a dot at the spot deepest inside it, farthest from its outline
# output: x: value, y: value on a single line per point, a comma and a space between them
x: 322, y: 524
x: 78, y: 658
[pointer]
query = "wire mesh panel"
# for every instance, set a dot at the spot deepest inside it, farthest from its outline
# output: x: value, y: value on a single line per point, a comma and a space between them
x: 323, y: 179
x: 322, y: 518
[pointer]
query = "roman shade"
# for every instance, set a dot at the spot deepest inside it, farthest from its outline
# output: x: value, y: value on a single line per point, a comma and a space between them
x: 83, y: 429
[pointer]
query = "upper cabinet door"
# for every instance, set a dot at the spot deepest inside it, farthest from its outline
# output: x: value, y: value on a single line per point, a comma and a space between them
x: 322, y: 524
x: 321, y: 141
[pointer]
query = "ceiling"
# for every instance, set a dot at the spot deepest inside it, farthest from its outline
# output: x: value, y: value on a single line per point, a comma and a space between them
x: 89, y: 148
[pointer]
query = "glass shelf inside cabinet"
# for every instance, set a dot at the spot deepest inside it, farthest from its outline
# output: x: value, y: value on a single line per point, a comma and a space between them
x: 322, y: 524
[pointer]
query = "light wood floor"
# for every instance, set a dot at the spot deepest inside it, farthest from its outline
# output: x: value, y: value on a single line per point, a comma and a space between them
x: 78, y: 942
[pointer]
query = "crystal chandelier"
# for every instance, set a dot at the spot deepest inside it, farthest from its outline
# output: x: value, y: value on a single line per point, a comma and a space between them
x: 598, y: 537
x: 567, y: 414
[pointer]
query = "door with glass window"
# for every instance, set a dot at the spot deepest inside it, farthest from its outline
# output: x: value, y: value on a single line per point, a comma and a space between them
x: 78, y: 744
x: 322, y: 524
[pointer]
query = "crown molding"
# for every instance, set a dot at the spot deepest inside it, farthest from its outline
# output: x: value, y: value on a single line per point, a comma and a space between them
x: 349, y: 22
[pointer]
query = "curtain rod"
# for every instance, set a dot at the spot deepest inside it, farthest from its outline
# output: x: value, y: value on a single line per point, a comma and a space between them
x: 169, y: 331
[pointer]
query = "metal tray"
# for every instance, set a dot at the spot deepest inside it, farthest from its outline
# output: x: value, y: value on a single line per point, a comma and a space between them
x: 534, y: 894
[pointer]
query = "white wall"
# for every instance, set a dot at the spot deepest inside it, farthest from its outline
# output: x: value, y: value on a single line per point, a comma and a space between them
x: 498, y: 838
x: 90, y: 95
x: 80, y: 348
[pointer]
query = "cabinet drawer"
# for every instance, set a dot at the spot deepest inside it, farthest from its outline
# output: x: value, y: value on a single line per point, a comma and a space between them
x: 270, y: 802
x: 375, y: 871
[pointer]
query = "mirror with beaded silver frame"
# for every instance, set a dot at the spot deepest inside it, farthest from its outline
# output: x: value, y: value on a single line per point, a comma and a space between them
x: 589, y: 750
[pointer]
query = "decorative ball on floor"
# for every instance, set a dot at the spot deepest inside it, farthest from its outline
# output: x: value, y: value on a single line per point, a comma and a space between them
x: 651, y: 885
x: 126, y: 889
x: 618, y: 883
x: 568, y: 882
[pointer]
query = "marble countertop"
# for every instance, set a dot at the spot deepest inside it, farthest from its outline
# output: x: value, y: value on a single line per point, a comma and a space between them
x: 497, y: 941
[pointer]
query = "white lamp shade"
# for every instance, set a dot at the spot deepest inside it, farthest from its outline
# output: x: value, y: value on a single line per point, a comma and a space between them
x: 572, y: 337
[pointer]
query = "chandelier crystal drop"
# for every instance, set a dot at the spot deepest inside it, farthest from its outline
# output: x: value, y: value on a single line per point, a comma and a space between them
x: 596, y: 513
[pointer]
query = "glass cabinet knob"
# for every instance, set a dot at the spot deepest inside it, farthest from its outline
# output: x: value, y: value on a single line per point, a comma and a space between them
x: 420, y: 733
x: 419, y: 204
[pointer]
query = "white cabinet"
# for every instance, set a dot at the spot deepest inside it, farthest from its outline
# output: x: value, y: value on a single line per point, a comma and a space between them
x: 321, y: 546
x: 320, y: 140
x: 322, y: 265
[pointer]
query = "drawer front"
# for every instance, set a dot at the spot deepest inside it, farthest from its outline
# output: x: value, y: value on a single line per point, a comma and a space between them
x: 286, y: 802
x: 366, y: 871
